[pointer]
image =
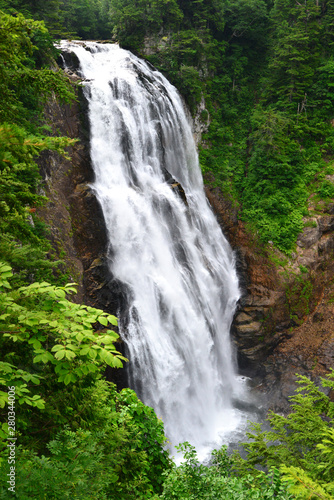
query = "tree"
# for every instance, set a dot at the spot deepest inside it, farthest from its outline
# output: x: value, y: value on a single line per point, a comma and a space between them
x: 19, y: 40
x: 48, y: 11
x: 80, y: 18
x: 192, y: 480
x: 300, y: 445
x: 133, y: 19
x: 44, y: 335
x: 26, y: 83
x: 110, y: 448
x: 296, y: 49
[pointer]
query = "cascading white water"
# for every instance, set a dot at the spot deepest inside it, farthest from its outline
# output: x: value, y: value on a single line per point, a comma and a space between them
x: 178, y: 268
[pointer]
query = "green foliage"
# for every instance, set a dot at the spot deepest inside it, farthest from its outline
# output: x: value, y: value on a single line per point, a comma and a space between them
x: 22, y: 86
x: 192, y: 480
x: 39, y: 326
x: 87, y: 19
x: 326, y: 190
x: 63, y: 18
x: 296, y: 49
x: 286, y: 139
x: 298, y: 293
x: 64, y: 348
x: 25, y: 84
x: 132, y: 20
x: 120, y: 457
x: 186, y: 56
x: 247, y: 22
x: 299, y: 445
x: 274, y: 192
x: 20, y: 178
x: 301, y: 485
x: 74, y: 465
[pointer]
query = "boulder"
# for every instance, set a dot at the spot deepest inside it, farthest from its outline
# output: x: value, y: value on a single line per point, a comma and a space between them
x: 308, y: 237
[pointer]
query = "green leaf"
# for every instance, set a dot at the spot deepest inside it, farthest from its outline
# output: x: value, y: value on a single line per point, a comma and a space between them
x: 70, y: 377
x: 57, y: 347
x: 117, y: 363
x: 44, y: 357
x: 36, y: 343
x: 84, y: 351
x: 112, y: 320
x: 68, y: 354
x: 61, y: 354
x: 103, y: 320
x: 92, y: 353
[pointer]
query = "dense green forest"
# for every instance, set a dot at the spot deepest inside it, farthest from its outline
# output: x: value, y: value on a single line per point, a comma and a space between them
x: 263, y: 73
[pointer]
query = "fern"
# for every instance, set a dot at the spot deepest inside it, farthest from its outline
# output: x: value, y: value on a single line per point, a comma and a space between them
x: 301, y: 444
x: 326, y: 447
x: 301, y: 485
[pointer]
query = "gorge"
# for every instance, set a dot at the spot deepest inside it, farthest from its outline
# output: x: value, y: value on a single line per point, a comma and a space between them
x: 262, y: 326
x: 165, y: 247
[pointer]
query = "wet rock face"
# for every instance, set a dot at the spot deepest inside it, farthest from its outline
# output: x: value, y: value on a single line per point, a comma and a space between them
x: 71, y: 61
x: 251, y: 322
x: 308, y: 237
x: 73, y: 212
x: 283, y: 324
x: 74, y: 216
x: 262, y: 311
x: 314, y: 237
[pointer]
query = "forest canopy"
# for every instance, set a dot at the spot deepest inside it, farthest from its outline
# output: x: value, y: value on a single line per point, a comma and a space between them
x: 264, y: 71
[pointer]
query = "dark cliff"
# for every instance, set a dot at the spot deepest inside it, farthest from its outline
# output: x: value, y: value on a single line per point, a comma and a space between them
x: 76, y: 224
x: 284, y: 322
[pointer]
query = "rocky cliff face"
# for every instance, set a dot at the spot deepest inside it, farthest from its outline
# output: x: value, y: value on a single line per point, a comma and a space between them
x: 74, y: 216
x: 76, y: 225
x: 284, y: 322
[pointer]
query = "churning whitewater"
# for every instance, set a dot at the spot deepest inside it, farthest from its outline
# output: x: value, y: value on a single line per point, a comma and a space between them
x: 169, y: 252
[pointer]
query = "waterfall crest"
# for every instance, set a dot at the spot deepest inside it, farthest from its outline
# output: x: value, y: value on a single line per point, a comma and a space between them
x: 177, y: 267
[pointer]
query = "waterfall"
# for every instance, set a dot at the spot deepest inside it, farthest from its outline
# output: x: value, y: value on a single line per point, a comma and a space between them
x: 167, y: 248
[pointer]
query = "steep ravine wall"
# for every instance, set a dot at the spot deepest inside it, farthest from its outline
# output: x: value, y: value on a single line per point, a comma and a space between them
x: 283, y: 324
x: 76, y: 225
x: 74, y: 217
